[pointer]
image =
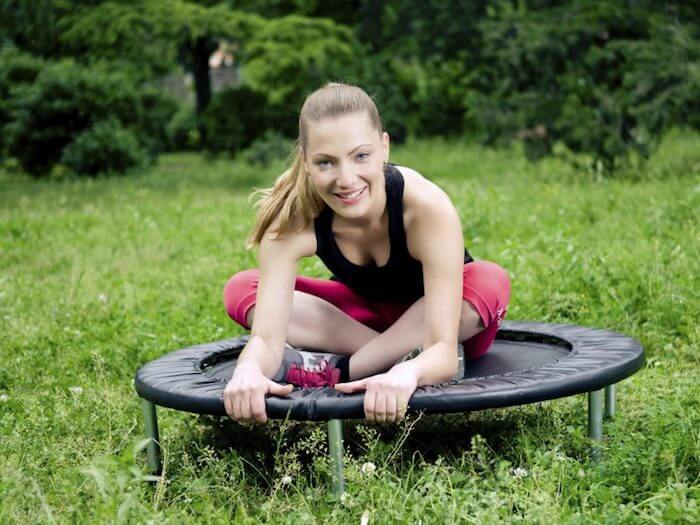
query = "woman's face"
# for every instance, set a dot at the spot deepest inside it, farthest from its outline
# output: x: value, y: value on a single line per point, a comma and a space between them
x: 344, y: 156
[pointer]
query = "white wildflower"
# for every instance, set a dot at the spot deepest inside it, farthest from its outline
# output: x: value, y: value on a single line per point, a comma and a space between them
x: 364, y: 519
x: 519, y: 472
x: 368, y: 468
x: 345, y: 499
x: 102, y: 298
x: 4, y: 398
x: 76, y: 389
x: 581, y: 473
x: 286, y: 480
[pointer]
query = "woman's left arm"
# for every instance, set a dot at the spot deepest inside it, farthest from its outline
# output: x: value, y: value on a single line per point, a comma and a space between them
x: 437, y: 241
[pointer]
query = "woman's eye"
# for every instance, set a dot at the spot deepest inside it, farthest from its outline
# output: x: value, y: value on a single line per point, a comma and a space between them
x: 321, y: 162
x: 360, y: 155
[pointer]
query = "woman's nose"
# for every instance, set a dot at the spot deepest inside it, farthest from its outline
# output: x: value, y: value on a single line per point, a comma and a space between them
x: 346, y: 177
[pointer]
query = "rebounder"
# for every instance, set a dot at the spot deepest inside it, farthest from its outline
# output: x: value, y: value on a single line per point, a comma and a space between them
x: 527, y: 362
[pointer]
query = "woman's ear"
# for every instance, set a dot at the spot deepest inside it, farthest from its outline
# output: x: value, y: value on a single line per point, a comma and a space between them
x: 386, y: 145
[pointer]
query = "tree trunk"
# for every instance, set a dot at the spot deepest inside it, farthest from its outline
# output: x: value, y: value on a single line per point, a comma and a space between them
x: 201, y: 50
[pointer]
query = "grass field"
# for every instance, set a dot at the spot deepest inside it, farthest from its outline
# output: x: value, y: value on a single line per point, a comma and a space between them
x: 98, y: 277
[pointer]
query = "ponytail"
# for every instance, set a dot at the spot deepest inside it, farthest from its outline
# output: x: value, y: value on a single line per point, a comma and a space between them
x: 293, y: 196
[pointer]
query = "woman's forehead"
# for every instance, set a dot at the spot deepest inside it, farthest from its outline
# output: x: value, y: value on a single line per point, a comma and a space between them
x: 340, y: 132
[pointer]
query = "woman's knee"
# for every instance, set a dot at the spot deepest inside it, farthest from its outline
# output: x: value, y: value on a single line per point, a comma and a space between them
x: 238, y: 288
x: 492, y: 284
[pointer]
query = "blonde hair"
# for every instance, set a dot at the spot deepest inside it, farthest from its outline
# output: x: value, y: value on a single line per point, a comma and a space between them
x: 294, y: 195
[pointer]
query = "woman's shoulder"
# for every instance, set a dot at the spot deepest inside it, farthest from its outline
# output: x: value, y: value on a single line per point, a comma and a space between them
x: 420, y: 194
x: 300, y: 236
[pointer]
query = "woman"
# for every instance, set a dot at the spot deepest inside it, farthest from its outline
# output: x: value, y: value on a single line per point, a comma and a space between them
x: 402, y: 275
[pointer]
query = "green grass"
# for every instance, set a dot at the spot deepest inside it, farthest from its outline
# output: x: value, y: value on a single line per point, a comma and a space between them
x: 97, y: 277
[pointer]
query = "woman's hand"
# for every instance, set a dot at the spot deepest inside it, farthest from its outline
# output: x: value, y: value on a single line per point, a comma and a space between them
x: 387, y: 394
x: 244, y: 395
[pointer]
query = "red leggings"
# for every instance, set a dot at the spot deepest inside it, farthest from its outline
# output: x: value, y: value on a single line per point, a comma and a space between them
x: 485, y: 285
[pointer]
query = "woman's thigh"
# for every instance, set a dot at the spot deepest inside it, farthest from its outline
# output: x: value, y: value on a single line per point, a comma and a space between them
x: 241, y: 289
x: 486, y: 286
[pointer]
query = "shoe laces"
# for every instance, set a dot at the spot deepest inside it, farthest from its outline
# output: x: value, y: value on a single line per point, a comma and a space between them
x: 305, y: 377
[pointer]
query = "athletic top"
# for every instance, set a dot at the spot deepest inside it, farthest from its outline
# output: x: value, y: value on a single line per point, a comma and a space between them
x: 401, y: 278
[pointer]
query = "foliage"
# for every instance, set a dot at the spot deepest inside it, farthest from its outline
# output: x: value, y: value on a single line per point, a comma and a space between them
x: 67, y: 99
x: 16, y: 69
x: 268, y: 148
x: 105, y: 147
x: 234, y: 119
x: 600, y: 77
x: 294, y: 55
x: 183, y: 130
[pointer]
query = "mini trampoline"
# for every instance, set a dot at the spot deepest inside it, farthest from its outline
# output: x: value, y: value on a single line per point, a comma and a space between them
x: 527, y: 362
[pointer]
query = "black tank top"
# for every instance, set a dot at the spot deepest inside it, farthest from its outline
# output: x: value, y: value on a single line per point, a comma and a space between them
x: 401, y: 278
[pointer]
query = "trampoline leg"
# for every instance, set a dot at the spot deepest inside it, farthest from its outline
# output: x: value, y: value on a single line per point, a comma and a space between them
x: 610, y: 400
x: 595, y: 422
x: 153, y: 447
x: 335, y: 447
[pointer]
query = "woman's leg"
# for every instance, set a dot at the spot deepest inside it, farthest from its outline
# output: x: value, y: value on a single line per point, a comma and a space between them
x: 486, y: 292
x: 326, y: 315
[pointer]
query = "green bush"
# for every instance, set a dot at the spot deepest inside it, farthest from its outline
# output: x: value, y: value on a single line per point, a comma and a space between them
x: 605, y: 79
x: 270, y: 147
x: 16, y: 69
x: 105, y: 147
x: 183, y: 130
x: 67, y: 99
x: 234, y: 119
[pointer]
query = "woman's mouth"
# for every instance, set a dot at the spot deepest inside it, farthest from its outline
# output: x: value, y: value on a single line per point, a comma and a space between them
x: 350, y: 198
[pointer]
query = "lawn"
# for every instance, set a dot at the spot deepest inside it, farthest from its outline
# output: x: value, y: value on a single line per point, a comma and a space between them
x: 97, y: 277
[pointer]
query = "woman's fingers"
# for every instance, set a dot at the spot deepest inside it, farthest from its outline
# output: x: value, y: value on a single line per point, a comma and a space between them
x: 351, y: 386
x: 380, y: 407
x: 370, y: 399
x: 391, y: 411
x: 257, y: 407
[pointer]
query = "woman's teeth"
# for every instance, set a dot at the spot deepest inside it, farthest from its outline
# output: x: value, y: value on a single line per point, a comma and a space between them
x: 350, y: 196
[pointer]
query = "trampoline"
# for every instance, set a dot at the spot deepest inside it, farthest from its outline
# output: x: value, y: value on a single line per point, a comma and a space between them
x: 528, y: 362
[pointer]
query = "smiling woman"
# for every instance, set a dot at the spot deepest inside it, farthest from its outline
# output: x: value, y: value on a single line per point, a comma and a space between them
x: 402, y: 276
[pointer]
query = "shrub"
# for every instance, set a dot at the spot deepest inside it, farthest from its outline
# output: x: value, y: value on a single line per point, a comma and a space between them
x: 105, y: 147
x: 183, y: 130
x: 67, y: 99
x: 604, y: 79
x: 234, y: 119
x: 16, y: 69
x: 270, y: 147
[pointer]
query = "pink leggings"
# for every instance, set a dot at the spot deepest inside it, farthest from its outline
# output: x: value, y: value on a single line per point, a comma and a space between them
x: 485, y: 285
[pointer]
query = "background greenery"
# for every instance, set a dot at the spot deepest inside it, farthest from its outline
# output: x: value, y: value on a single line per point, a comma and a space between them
x: 99, y: 276
x: 604, y: 79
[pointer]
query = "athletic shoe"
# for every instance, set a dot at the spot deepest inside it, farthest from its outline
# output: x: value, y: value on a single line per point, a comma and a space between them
x: 306, y: 368
x: 327, y: 375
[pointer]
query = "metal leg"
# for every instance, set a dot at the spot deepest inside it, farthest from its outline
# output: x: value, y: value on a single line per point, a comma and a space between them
x: 610, y: 400
x: 595, y: 422
x: 335, y: 448
x: 153, y: 447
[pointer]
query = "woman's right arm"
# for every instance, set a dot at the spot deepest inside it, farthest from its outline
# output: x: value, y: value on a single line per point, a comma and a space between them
x: 244, y: 395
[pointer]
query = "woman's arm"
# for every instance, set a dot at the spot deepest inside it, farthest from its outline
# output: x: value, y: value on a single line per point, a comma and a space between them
x: 278, y: 267
x: 436, y: 239
x: 244, y: 395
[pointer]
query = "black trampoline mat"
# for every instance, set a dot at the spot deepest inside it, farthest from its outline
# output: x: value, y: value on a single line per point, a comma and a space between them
x: 503, y: 357
x: 528, y: 362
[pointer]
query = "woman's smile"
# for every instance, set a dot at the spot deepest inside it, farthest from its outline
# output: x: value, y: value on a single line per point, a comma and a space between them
x: 351, y: 197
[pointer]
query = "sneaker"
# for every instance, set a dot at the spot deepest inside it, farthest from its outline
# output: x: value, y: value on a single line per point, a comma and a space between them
x: 460, y: 363
x: 306, y: 368
x: 326, y: 375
